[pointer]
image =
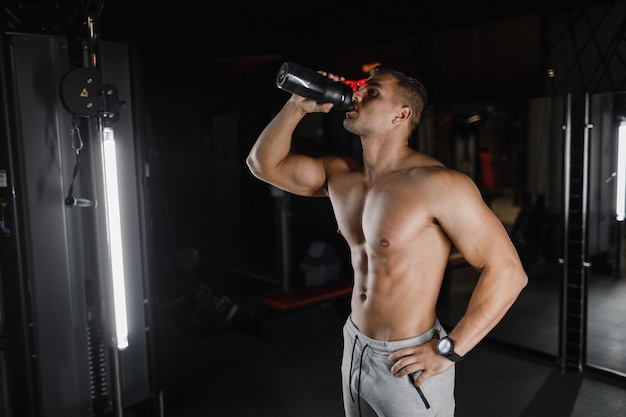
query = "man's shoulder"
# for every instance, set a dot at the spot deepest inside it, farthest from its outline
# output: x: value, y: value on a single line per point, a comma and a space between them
x: 433, y: 168
x: 441, y: 177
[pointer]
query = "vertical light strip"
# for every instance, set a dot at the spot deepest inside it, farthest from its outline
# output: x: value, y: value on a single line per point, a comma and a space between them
x: 114, y: 234
x: 620, y: 190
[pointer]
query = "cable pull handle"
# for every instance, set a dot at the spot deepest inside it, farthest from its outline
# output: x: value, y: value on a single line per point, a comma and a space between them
x: 77, y: 145
x: 77, y: 140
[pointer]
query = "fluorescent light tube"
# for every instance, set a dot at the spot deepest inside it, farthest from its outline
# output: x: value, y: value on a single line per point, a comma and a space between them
x: 620, y: 190
x: 114, y: 235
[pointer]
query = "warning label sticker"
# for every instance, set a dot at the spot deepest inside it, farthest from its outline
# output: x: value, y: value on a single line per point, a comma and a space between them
x: 3, y: 178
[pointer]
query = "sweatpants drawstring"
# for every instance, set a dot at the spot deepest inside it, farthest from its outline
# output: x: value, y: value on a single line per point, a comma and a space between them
x: 360, y: 368
x: 358, y: 390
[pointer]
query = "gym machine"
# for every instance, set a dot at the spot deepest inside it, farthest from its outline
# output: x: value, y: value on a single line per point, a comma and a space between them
x: 75, y: 311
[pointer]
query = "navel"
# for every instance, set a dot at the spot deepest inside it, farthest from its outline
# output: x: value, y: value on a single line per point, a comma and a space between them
x: 384, y: 243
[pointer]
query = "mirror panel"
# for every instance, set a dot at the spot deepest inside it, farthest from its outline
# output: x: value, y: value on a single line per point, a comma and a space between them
x: 606, y: 327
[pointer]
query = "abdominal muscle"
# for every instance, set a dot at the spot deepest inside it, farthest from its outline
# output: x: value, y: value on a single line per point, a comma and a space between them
x: 395, y: 300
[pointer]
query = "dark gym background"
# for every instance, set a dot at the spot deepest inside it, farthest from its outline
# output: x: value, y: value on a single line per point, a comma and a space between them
x: 513, y: 92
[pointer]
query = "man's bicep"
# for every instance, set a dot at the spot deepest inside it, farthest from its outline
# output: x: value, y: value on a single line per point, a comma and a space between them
x: 300, y: 174
x: 476, y: 232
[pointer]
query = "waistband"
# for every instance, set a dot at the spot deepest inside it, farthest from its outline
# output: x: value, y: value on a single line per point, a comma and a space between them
x: 380, y: 345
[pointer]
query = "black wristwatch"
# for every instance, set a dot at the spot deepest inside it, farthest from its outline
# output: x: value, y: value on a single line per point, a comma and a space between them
x: 445, y: 347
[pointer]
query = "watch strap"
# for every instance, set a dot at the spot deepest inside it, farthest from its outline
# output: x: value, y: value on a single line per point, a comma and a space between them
x: 454, y: 357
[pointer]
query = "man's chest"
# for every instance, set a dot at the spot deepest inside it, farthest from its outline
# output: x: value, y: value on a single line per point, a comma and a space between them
x: 381, y: 214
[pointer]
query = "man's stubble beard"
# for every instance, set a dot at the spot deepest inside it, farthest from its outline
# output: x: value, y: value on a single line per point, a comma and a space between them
x: 351, y: 125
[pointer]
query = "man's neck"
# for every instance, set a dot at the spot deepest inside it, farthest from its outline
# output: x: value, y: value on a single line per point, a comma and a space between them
x: 380, y: 158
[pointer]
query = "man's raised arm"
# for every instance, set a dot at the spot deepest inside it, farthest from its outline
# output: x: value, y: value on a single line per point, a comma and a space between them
x: 271, y: 159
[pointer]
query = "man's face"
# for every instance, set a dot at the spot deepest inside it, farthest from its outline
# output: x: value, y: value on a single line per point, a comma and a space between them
x: 375, y: 107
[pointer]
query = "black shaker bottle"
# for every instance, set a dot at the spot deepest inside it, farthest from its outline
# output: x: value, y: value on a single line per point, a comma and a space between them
x: 307, y: 83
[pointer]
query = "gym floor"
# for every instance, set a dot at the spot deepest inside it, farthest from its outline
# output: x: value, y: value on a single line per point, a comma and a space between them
x: 286, y: 364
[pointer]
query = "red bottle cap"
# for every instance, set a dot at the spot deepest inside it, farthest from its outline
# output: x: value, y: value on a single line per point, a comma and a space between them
x: 355, y: 84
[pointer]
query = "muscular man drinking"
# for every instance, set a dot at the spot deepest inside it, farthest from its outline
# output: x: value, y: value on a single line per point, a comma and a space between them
x: 400, y: 212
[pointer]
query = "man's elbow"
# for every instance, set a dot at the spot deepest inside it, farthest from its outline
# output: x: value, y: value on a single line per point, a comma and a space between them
x: 520, y: 275
x: 254, y: 166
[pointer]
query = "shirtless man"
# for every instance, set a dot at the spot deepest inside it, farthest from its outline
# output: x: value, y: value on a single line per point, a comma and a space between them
x: 401, y: 212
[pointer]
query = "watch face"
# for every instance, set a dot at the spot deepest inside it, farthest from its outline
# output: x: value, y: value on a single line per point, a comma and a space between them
x: 444, y: 346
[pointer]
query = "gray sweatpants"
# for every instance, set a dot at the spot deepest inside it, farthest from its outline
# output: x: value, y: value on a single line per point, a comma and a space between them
x: 371, y: 390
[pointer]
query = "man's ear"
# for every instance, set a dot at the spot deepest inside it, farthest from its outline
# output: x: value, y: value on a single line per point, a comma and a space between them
x: 403, y: 115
